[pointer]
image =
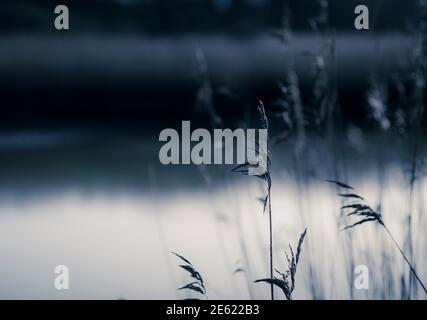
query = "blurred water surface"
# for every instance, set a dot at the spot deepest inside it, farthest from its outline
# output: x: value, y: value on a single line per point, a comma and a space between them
x: 110, y: 212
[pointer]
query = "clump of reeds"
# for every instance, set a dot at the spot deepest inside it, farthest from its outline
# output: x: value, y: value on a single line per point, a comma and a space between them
x: 244, y: 169
x: 324, y: 88
x: 198, y: 284
x: 205, y: 92
x: 286, y: 281
x: 289, y: 109
x: 365, y: 213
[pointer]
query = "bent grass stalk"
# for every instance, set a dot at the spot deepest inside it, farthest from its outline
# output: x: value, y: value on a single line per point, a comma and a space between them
x: 198, y: 285
x: 367, y: 214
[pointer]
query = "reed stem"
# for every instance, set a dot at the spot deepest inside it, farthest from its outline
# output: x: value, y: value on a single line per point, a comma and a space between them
x: 406, y: 259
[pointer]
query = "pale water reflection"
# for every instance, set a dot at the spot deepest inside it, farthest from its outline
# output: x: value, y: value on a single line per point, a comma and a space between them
x: 117, y: 243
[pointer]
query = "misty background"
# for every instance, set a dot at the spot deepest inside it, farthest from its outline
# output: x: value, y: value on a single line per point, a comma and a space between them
x: 134, y: 62
x: 81, y: 111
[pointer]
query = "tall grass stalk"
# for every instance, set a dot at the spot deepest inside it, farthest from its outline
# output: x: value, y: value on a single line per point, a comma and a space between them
x: 244, y: 168
x: 152, y: 180
x: 246, y: 270
x: 217, y: 217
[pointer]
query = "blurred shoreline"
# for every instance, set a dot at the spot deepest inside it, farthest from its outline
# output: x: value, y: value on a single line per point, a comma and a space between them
x: 97, y: 78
